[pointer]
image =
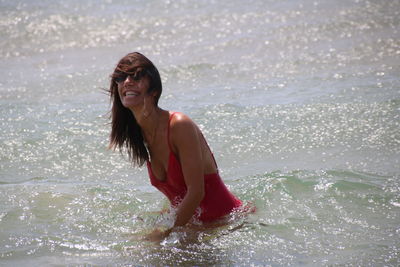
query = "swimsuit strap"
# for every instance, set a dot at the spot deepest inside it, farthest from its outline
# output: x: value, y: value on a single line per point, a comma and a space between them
x: 209, y: 149
x: 170, y: 147
x: 169, y: 125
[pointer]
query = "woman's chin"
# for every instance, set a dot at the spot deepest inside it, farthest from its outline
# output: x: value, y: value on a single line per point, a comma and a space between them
x: 131, y: 104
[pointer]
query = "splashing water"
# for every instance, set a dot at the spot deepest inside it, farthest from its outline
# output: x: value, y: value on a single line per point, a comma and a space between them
x: 298, y: 100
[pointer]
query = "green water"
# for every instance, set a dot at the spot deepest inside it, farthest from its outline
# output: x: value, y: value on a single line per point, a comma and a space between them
x: 299, y: 102
x: 302, y: 217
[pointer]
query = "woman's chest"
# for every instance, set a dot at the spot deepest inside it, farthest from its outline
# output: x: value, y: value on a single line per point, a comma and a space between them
x: 159, y: 162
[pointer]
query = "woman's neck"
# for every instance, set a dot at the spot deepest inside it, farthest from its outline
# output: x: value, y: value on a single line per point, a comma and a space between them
x: 148, y: 121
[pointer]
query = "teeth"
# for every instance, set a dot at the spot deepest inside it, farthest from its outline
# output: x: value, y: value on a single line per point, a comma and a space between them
x: 131, y: 94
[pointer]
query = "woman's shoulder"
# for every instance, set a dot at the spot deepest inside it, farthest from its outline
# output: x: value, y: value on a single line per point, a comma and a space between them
x: 179, y: 119
x: 181, y: 124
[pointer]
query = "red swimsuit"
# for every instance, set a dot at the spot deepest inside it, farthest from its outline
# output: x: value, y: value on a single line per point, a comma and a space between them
x: 217, y: 201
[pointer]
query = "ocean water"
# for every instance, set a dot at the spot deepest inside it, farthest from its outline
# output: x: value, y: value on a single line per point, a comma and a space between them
x: 299, y: 100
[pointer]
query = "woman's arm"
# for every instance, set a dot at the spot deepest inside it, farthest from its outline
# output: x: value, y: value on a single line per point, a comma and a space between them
x: 186, y: 142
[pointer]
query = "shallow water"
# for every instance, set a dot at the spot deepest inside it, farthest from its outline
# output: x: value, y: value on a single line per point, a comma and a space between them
x: 298, y: 100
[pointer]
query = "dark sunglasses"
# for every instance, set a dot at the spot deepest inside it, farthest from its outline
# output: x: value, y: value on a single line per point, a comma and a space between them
x: 137, y: 76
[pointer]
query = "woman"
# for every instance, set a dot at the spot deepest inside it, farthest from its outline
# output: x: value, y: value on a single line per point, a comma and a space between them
x: 179, y: 161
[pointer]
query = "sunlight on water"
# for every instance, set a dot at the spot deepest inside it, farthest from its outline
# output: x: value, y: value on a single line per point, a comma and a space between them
x: 298, y: 100
x: 297, y: 211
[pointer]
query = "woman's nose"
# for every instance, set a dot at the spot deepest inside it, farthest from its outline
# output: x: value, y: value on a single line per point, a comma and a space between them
x: 129, y: 79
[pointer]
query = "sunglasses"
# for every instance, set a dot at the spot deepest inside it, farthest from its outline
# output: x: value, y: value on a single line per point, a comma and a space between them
x: 137, y: 76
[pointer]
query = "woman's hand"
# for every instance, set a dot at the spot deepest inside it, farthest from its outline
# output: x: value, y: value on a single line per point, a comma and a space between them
x: 157, y: 235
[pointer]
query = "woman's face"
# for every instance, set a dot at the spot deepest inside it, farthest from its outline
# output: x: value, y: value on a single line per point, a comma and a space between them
x: 132, y: 89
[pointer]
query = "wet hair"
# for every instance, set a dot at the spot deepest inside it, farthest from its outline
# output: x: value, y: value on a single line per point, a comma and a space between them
x: 125, y: 131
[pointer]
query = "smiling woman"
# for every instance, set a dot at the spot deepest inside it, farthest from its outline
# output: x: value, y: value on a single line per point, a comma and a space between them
x: 179, y: 160
x: 125, y: 129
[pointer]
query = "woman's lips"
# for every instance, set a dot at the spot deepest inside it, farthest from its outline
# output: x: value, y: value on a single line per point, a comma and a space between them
x: 131, y: 93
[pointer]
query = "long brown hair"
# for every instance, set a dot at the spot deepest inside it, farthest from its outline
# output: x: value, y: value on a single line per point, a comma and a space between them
x: 125, y: 131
